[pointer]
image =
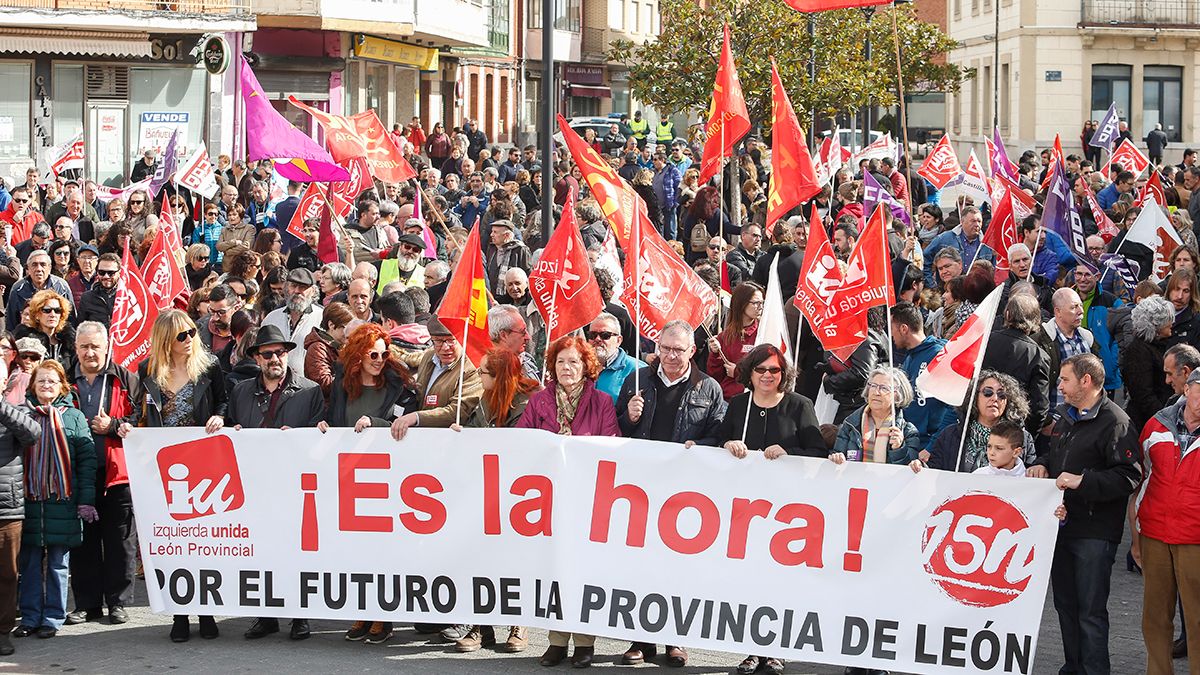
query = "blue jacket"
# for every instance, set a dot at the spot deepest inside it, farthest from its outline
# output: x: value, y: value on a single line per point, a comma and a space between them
x: 470, y: 213
x: 925, y: 413
x: 955, y: 240
x: 613, y: 375
x: 1096, y: 321
x: 1053, y: 253
x: 1108, y: 196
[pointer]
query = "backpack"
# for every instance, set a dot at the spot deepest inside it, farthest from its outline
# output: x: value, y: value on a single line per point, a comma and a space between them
x: 699, y: 237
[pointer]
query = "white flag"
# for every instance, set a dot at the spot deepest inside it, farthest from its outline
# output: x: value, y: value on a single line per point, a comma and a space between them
x: 949, y: 374
x: 196, y: 174
x: 772, y: 326
x: 1155, y: 232
x: 971, y: 183
x: 65, y: 157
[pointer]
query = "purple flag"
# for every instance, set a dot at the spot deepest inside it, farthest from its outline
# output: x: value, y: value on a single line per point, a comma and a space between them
x: 999, y: 157
x: 1061, y: 216
x: 1125, y: 269
x: 1106, y: 134
x: 873, y: 194
x: 270, y: 136
x: 166, y: 167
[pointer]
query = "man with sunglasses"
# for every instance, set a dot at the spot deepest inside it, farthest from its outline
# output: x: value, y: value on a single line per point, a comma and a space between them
x: 279, y: 398
x: 437, y: 383
x: 21, y: 215
x: 97, y: 304
x: 297, y: 318
x: 604, y: 335
x: 403, y: 262
x: 38, y: 278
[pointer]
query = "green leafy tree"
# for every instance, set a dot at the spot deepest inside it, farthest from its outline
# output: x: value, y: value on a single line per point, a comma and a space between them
x: 676, y: 71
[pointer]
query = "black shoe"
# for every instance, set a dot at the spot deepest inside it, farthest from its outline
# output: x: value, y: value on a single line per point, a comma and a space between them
x: 23, y: 631
x: 46, y: 632
x: 1179, y: 649
x: 427, y: 628
x: 300, y: 630
x: 6, y: 646
x: 262, y: 628
x: 749, y: 666
x: 208, y: 628
x: 180, y: 629
x: 554, y: 655
x: 773, y: 666
x: 582, y: 658
x: 117, y: 615
x: 84, y: 615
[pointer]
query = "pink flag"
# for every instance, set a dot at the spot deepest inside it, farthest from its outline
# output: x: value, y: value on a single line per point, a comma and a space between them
x: 270, y: 136
x: 426, y: 233
x: 948, y: 376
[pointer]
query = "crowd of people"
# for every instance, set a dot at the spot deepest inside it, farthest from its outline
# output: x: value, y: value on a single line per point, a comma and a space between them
x: 1085, y: 381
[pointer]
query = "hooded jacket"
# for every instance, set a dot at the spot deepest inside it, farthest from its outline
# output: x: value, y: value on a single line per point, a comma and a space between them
x: 925, y: 414
x: 320, y: 358
x: 1168, y: 504
x: 409, y: 337
x: 18, y: 430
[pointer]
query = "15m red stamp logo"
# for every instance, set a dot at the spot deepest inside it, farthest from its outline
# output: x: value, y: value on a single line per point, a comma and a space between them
x: 201, y: 478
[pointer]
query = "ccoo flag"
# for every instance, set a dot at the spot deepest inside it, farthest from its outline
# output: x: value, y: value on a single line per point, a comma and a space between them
x: 728, y: 118
x: 948, y: 376
x: 793, y: 176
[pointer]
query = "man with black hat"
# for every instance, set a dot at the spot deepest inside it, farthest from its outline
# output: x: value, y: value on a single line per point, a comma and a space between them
x: 403, y: 262
x: 437, y: 371
x: 297, y: 318
x: 279, y: 398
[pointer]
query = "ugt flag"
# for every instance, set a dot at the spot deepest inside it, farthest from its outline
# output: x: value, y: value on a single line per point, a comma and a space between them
x: 134, y: 314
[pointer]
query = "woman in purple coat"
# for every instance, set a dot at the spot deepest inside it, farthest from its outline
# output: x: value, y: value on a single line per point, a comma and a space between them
x: 572, y: 406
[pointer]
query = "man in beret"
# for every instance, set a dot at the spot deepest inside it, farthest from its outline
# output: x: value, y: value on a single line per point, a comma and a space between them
x: 297, y: 318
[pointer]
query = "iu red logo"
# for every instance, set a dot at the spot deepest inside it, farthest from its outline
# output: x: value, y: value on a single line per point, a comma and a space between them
x: 201, y: 478
x: 978, y: 549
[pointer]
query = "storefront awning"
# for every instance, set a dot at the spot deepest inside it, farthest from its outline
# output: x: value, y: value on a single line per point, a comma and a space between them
x: 587, y: 91
x: 93, y: 44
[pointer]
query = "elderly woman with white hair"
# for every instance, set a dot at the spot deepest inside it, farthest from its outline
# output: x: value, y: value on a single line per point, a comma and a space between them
x: 877, y: 431
x: 1141, y: 361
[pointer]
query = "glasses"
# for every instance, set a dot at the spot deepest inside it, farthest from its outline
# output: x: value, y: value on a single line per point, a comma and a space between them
x: 881, y: 388
x: 22, y: 201
x: 376, y: 356
x: 756, y: 303
x: 107, y: 273
x: 214, y: 310
x: 137, y: 201
x: 989, y: 392
x: 210, y: 214
x: 407, y: 248
x: 52, y: 310
x: 62, y: 254
x: 672, y: 351
x: 185, y: 335
x: 30, y: 356
x: 768, y: 370
x: 714, y: 247
x: 601, y: 334
x: 754, y: 235
x: 442, y: 342
x: 271, y: 354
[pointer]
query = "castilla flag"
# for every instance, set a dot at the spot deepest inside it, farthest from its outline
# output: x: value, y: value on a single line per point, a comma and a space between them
x: 161, y: 271
x: 464, y: 308
x: 941, y: 166
x: 1153, y: 230
x: 793, y: 176
x: 867, y: 283
x: 826, y: 5
x: 948, y: 376
x: 562, y: 284
x: 728, y: 118
x: 133, y: 316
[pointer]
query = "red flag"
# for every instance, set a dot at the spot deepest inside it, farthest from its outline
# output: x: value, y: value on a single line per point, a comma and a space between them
x: 464, y: 308
x: 867, y: 283
x: 327, y: 244
x: 1056, y: 157
x: 133, y: 317
x: 728, y: 118
x: 820, y: 278
x: 360, y: 180
x: 161, y: 271
x: 826, y: 5
x: 562, y: 284
x: 362, y: 135
x: 615, y: 197
x: 1128, y: 156
x: 1002, y: 232
x: 1152, y: 188
x: 1108, y: 229
x: 941, y: 166
x: 948, y: 376
x: 726, y: 283
x: 793, y: 176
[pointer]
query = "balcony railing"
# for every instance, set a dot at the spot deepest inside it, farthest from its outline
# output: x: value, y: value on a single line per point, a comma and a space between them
x: 1159, y: 13
x: 214, y: 7
x: 595, y: 41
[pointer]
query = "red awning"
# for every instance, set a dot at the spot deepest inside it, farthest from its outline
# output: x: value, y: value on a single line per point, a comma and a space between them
x: 587, y: 91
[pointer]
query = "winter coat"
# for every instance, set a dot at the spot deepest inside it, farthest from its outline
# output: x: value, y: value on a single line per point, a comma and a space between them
x: 119, y: 406
x: 945, y: 447
x: 1147, y: 392
x: 742, y: 261
x: 925, y: 413
x: 246, y: 369
x: 612, y: 376
x: 1168, y: 503
x: 510, y: 255
x: 846, y: 386
x: 1186, y: 328
x: 282, y: 319
x: 790, y: 261
x: 850, y: 439
x: 1047, y: 339
x: 791, y: 424
x: 700, y: 412
x: 439, y: 401
x: 56, y: 522
x: 63, y: 352
x: 18, y: 430
x: 320, y: 356
x: 208, y: 396
x: 1096, y: 320
x: 734, y: 350
x: 399, y: 399
x: 481, y: 417
x: 300, y: 404
x: 595, y: 415
x: 97, y: 305
x: 1014, y: 353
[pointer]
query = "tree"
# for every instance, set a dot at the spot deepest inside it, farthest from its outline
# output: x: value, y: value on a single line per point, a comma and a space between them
x: 676, y: 71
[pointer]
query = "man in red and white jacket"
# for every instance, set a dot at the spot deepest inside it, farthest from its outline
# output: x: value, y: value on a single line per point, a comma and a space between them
x: 1165, y: 520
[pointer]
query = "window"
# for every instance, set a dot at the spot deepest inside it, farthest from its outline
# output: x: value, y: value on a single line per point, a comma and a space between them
x: 68, y: 102
x: 15, y: 95
x: 986, y: 98
x: 1162, y: 99
x: 1110, y: 84
x: 616, y: 14
x: 173, y: 90
x: 568, y: 15
x: 498, y: 28
x: 970, y: 101
x: 533, y: 13
x: 1005, y: 112
x: 637, y: 13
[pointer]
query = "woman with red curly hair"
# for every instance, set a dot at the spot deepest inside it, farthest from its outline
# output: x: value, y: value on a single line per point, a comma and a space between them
x: 572, y: 407
x: 369, y: 386
x: 47, y: 321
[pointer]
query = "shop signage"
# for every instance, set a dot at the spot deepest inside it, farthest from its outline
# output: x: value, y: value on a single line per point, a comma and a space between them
x: 155, y: 129
x: 215, y: 55
x: 580, y: 74
x: 378, y: 49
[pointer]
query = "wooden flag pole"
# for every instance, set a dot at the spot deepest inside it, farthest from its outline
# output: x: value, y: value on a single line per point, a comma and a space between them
x: 462, y: 369
x: 903, y: 109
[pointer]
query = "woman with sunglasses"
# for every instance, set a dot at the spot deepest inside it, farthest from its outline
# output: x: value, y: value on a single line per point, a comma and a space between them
x: 47, y: 322
x: 62, y: 259
x: 180, y: 385
x: 369, y: 387
x: 728, y: 348
x: 138, y: 215
x: 774, y: 420
x: 198, y: 266
x: 877, y: 431
x: 997, y: 397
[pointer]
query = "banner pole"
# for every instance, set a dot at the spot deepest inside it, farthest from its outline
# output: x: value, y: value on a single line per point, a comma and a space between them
x: 962, y: 440
x: 462, y: 369
x: 903, y: 109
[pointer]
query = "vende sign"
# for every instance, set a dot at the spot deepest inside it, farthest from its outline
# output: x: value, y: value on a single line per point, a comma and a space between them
x: 865, y: 565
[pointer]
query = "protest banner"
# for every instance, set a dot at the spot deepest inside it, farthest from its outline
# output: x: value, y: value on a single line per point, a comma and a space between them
x: 862, y: 564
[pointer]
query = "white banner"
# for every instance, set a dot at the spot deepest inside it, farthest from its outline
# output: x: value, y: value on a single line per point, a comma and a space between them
x: 865, y: 565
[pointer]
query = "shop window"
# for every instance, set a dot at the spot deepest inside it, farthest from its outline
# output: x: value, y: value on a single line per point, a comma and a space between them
x: 1110, y: 83
x: 15, y: 99
x: 166, y: 90
x: 68, y: 102
x: 1162, y: 100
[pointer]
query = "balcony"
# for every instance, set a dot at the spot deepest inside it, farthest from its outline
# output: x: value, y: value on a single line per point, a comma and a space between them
x: 207, y: 7
x: 184, y: 16
x: 1142, y: 13
x: 595, y: 45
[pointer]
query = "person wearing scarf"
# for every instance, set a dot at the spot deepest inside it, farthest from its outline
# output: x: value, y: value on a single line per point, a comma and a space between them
x: 571, y: 405
x: 60, y: 493
x: 997, y: 396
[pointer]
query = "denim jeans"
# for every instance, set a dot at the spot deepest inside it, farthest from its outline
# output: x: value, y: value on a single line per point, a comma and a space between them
x: 1080, y: 577
x: 670, y: 219
x: 44, y: 596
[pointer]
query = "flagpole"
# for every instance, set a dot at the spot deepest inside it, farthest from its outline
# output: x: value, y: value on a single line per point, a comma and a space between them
x: 462, y: 369
x: 966, y: 423
x: 721, y: 220
x: 888, y: 310
x: 637, y: 295
x: 903, y: 109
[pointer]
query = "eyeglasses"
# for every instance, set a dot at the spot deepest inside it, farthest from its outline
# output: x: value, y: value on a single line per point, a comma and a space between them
x: 989, y: 392
x: 269, y: 354
x: 881, y: 388
x: 137, y: 201
x: 185, y: 335
x: 52, y: 310
x: 756, y: 303
x: 377, y: 356
x: 601, y: 334
x: 442, y: 342
x: 672, y: 351
x: 407, y: 248
x: 768, y: 370
x: 62, y: 254
x: 30, y: 356
x: 107, y: 273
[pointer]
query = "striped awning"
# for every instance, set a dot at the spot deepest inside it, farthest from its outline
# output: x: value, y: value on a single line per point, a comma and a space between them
x: 35, y: 41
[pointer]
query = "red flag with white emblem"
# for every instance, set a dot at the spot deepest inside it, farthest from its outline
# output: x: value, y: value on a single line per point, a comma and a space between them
x: 1128, y: 157
x: 1152, y: 188
x: 867, y: 284
x: 161, y: 271
x: 134, y: 314
x: 941, y: 166
x: 562, y: 284
x: 948, y: 376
